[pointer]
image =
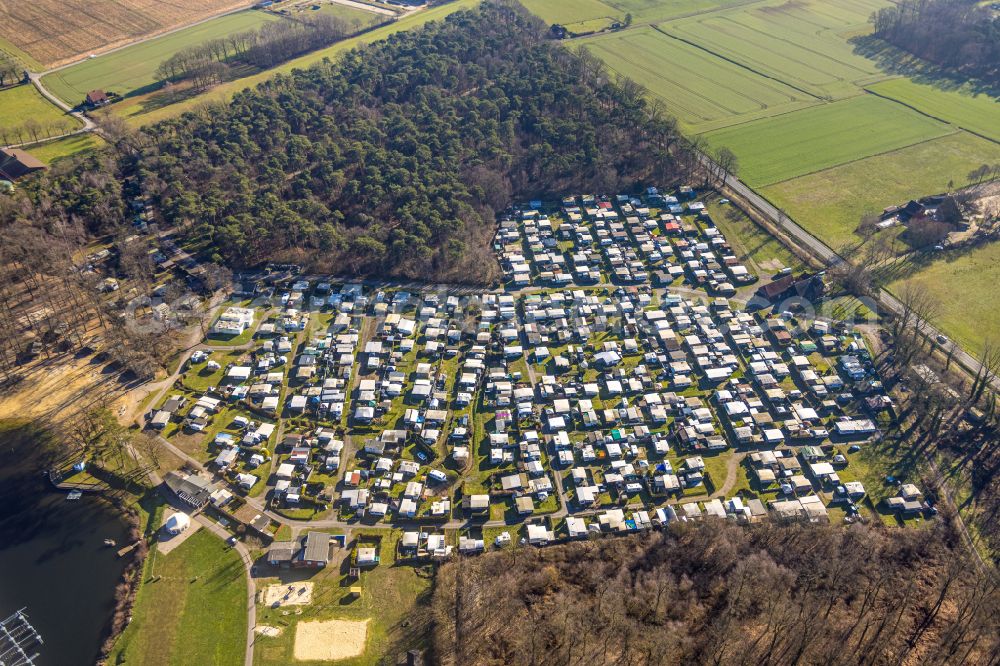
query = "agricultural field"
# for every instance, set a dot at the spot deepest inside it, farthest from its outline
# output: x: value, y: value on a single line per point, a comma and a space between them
x: 574, y: 13
x: 152, y: 107
x: 23, y: 106
x: 651, y: 11
x: 359, y: 18
x: 772, y: 150
x: 819, y: 129
x: 56, y: 31
x: 701, y: 90
x: 190, y: 608
x: 830, y: 203
x: 797, y: 43
x: 133, y: 68
x: 977, y: 113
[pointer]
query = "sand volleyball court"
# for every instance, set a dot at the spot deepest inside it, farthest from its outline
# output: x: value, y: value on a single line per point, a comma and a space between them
x: 330, y: 640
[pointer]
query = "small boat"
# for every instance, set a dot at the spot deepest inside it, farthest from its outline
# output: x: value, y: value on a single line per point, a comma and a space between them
x: 110, y: 542
x: 74, y: 495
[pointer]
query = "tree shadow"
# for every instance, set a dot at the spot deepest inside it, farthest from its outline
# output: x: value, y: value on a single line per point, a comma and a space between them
x: 894, y: 60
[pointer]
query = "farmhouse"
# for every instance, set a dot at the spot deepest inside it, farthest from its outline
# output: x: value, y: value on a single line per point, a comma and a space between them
x: 96, y: 98
x: 16, y: 163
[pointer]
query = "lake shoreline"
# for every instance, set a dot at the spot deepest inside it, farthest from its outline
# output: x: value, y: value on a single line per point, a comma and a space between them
x: 76, y: 590
x: 128, y: 585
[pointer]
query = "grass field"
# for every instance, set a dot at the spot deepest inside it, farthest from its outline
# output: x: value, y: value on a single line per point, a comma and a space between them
x: 775, y: 149
x: 570, y: 12
x: 764, y: 252
x: 798, y: 43
x: 659, y: 10
x: 962, y: 284
x: 358, y: 18
x: 190, y: 608
x: 698, y: 88
x: 979, y: 114
x: 55, y: 31
x: 830, y: 203
x: 24, y: 103
x: 72, y: 145
x: 132, y: 68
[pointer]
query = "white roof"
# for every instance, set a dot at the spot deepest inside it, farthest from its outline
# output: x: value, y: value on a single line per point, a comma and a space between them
x: 178, y: 522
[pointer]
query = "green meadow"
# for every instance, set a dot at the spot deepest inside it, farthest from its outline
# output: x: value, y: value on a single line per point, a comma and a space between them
x: 830, y: 203
x: 962, y: 285
x: 698, y: 88
x: 977, y: 113
x: 51, y: 151
x: 24, y: 103
x: 133, y: 68
x: 775, y: 149
x: 190, y: 608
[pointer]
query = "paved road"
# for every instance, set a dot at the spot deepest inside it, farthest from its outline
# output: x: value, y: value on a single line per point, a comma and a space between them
x: 830, y: 258
x: 88, y: 124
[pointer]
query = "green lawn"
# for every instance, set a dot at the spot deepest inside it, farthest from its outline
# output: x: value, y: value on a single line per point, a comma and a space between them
x: 830, y: 203
x: 976, y: 113
x: 962, y: 284
x: 133, y: 68
x: 700, y: 89
x: 777, y: 149
x: 764, y: 252
x: 23, y: 103
x: 54, y: 150
x: 190, y: 608
x: 198, y: 377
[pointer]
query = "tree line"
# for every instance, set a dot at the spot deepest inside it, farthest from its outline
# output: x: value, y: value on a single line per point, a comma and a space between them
x: 958, y: 34
x: 274, y: 43
x: 10, y: 70
x: 720, y: 593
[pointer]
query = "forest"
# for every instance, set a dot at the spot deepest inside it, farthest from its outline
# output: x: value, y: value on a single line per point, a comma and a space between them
x: 395, y: 159
x: 719, y: 593
x: 963, y: 35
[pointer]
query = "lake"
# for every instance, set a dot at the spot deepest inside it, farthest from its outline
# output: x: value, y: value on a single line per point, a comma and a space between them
x: 52, y: 557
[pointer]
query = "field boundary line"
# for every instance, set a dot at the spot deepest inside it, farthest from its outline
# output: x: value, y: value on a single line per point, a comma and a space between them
x: 660, y: 30
x: 860, y: 159
x: 929, y: 115
x: 747, y: 121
